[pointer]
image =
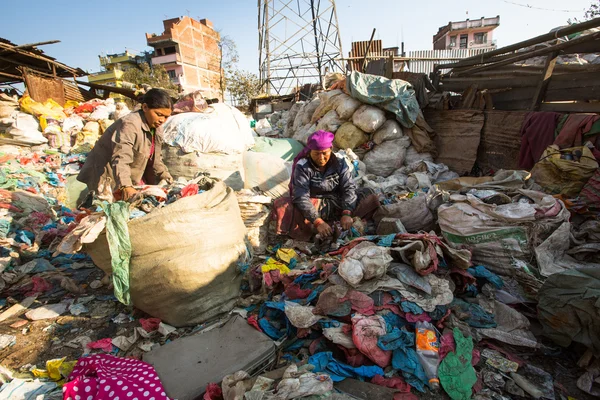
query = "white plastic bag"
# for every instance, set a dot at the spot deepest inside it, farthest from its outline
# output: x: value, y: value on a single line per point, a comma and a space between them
x: 304, y: 132
x: 368, y: 118
x: 220, y: 129
x: 387, y: 157
x: 346, y: 106
x: 365, y: 261
x: 301, y: 316
x: 263, y: 127
x: 390, y: 130
x: 267, y: 173
x: 330, y: 122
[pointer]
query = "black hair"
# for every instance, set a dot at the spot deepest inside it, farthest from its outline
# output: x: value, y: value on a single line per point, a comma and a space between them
x: 157, y: 98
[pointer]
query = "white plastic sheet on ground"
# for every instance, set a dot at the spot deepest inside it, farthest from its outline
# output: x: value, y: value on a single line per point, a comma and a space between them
x: 365, y: 261
x: 219, y: 129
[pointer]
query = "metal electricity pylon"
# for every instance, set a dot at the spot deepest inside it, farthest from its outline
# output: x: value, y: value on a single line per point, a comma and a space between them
x: 299, y: 42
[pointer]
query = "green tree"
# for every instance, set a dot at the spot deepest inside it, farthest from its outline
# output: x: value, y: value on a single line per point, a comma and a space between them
x: 155, y: 76
x: 243, y: 86
x: 590, y: 13
x: 228, y: 59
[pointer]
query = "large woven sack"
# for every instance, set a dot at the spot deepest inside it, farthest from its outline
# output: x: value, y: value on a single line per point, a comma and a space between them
x: 501, y: 237
x: 559, y: 176
x: 349, y: 136
x: 226, y: 167
x: 267, y: 174
x: 387, y: 157
x: 183, y: 266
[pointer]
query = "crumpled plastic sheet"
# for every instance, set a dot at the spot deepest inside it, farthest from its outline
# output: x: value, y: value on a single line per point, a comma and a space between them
x: 473, y: 314
x: 404, y: 357
x: 441, y: 294
x: 119, y: 244
x: 483, y: 273
x: 366, y: 331
x: 364, y: 262
x: 298, y: 383
x: 301, y: 316
x: 407, y: 275
x: 338, y: 371
x: 456, y: 373
x: 339, y: 336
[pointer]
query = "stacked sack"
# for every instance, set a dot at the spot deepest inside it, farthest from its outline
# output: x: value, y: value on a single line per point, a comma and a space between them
x: 211, y: 141
x: 380, y: 133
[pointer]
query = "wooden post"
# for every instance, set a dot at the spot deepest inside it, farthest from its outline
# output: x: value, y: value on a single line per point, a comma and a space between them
x: 364, y: 63
x: 542, y: 86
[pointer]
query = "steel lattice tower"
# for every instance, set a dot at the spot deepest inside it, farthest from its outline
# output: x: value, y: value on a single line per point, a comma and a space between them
x: 299, y: 42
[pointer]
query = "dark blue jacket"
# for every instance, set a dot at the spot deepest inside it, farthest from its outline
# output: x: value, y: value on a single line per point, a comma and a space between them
x: 335, y: 183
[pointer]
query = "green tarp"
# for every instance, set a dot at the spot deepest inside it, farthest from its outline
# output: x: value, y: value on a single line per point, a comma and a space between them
x: 394, y: 95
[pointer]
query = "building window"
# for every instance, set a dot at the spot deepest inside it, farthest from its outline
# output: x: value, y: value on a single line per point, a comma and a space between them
x: 480, y: 38
x: 464, y: 41
x: 158, y: 52
x: 169, y: 50
x: 453, y: 41
x: 172, y: 74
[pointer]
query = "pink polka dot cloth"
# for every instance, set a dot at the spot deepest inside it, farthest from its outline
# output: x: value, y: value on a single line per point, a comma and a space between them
x: 106, y: 377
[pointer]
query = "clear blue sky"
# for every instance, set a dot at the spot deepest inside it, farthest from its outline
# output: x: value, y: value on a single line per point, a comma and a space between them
x: 88, y: 28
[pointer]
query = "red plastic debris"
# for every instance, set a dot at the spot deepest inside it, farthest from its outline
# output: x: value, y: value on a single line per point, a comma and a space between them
x: 189, y: 190
x: 103, y: 344
x: 213, y: 392
x: 150, y: 324
x: 395, y: 382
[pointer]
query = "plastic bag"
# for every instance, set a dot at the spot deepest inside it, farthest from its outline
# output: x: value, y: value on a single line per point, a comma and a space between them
x: 309, y: 110
x: 349, y: 136
x: 326, y: 105
x: 412, y: 156
x: 346, y: 106
x: 267, y: 173
x: 263, y: 127
x: 330, y: 122
x: 301, y: 316
x: 387, y: 157
x: 223, y: 129
x: 368, y: 118
x: 304, y: 132
x: 365, y: 261
x: 414, y: 214
x: 366, y: 331
x: 390, y: 130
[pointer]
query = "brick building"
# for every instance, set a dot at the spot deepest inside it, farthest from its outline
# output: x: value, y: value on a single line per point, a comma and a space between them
x: 469, y: 34
x: 189, y: 51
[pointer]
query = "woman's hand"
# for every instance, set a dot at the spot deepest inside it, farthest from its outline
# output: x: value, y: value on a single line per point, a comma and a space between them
x: 323, y: 228
x: 346, y: 222
x: 128, y: 193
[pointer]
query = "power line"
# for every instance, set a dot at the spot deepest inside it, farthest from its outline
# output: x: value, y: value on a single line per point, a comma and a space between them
x: 541, y: 8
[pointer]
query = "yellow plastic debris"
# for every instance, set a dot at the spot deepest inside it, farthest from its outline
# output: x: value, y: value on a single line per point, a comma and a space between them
x: 286, y: 255
x: 56, y: 369
x: 272, y: 265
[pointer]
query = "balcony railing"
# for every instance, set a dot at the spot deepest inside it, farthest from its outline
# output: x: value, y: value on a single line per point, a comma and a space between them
x: 169, y: 58
x: 114, y: 74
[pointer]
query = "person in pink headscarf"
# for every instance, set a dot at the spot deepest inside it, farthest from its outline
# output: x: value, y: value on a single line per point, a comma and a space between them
x: 322, y: 191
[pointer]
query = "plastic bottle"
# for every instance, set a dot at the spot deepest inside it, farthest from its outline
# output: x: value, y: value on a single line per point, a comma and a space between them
x: 428, y: 352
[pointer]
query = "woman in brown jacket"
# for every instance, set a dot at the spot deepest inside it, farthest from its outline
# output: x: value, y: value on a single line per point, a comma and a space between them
x: 129, y: 151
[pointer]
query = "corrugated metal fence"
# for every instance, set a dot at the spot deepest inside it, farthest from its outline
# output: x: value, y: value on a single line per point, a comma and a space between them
x: 424, y: 60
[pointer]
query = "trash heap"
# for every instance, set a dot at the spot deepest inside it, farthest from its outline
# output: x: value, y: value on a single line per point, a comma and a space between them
x: 63, y: 128
x: 415, y: 311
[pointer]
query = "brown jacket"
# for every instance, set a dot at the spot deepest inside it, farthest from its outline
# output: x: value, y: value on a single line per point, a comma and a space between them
x: 122, y: 154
